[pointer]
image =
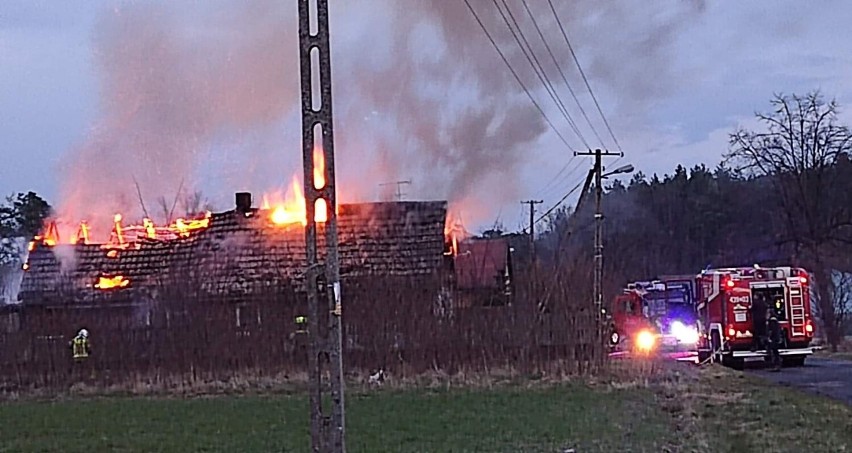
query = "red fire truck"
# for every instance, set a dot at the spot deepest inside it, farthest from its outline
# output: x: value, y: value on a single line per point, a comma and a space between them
x: 629, y: 326
x: 656, y: 314
x: 725, y: 318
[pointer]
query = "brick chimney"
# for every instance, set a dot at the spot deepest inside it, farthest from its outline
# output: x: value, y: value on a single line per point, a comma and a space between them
x: 243, y: 200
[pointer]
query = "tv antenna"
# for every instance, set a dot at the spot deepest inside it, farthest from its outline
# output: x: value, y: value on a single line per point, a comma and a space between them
x: 399, y: 193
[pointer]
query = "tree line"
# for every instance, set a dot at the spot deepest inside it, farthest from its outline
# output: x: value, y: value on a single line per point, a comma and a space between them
x: 781, y: 196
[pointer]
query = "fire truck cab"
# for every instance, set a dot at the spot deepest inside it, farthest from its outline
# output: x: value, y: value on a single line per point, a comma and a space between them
x: 628, y: 319
x: 725, y: 316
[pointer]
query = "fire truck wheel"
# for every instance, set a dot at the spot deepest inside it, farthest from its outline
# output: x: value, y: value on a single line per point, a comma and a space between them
x: 793, y: 361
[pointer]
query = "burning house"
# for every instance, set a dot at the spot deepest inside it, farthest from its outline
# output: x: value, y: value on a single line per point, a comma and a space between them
x: 404, y: 266
x: 235, y: 254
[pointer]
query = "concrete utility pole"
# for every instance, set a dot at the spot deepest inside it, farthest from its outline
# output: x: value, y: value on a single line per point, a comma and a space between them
x: 399, y: 185
x: 598, y: 279
x: 532, y: 204
x: 323, y: 288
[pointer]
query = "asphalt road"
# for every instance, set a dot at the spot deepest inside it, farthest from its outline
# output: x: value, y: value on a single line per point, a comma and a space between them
x: 827, y: 377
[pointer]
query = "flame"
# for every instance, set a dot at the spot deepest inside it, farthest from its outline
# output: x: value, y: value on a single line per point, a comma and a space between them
x: 321, y: 212
x: 51, y: 237
x: 184, y: 227
x: 290, y: 209
x: 118, y: 233
x: 112, y: 282
x: 150, y: 231
x: 82, y: 234
x: 319, y: 168
x: 453, y: 230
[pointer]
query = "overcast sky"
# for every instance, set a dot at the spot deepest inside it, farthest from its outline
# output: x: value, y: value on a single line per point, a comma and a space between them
x: 97, y: 93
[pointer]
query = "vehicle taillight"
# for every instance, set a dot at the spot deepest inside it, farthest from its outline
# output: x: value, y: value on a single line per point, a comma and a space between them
x: 729, y: 283
x: 803, y: 279
x: 809, y: 327
x: 731, y: 331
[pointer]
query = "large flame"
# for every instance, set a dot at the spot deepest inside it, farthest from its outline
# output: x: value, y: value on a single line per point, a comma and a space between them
x: 290, y: 208
x: 454, y: 231
x: 319, y: 168
x: 117, y: 281
x: 286, y: 209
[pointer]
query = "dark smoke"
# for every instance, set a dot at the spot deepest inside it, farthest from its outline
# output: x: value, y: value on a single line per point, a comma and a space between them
x: 419, y: 94
x: 471, y: 147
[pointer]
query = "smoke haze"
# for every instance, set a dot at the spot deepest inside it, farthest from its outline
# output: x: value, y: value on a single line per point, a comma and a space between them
x: 211, y: 98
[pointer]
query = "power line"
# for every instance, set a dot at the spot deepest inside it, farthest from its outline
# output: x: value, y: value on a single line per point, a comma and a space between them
x: 549, y: 189
x: 514, y: 73
x: 538, y: 69
x: 583, y: 74
x: 558, y: 203
x: 561, y: 72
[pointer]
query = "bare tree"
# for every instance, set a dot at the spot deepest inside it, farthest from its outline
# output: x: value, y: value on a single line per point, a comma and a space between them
x: 799, y: 152
x: 195, y: 203
x: 841, y: 299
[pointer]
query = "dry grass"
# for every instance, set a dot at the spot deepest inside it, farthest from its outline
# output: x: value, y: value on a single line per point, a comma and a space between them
x: 717, y: 409
x: 654, y: 404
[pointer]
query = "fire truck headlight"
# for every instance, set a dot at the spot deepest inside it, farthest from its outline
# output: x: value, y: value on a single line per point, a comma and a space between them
x: 645, y: 340
x: 684, y: 334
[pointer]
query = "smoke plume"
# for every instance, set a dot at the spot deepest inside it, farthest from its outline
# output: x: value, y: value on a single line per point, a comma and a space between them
x: 419, y: 93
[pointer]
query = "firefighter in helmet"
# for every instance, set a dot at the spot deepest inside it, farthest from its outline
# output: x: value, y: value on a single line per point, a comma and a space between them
x: 299, y: 337
x: 80, y: 346
x: 301, y: 324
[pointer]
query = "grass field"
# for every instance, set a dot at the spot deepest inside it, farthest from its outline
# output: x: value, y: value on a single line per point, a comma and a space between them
x: 668, y: 409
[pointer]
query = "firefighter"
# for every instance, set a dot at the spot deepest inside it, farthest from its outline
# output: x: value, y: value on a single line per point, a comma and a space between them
x: 773, y: 329
x: 299, y: 337
x: 80, y: 346
x: 301, y: 324
x: 758, y: 317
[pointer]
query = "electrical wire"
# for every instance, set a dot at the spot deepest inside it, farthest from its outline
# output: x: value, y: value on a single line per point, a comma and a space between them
x: 583, y: 74
x: 514, y: 73
x: 538, y: 69
x: 546, y: 193
x: 561, y: 72
x: 561, y: 200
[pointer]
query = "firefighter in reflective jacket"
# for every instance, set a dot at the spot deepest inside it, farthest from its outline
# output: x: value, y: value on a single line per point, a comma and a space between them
x: 299, y: 337
x: 301, y: 328
x: 80, y: 347
x: 301, y: 324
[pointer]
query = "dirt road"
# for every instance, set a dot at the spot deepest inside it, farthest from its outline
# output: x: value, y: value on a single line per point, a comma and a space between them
x: 828, y: 377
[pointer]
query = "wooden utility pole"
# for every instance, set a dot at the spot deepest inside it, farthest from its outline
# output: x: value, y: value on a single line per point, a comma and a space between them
x: 532, y: 204
x: 399, y: 185
x: 322, y: 285
x: 598, y: 279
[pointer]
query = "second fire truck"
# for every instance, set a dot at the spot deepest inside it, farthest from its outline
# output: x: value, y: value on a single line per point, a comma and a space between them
x: 725, y: 316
